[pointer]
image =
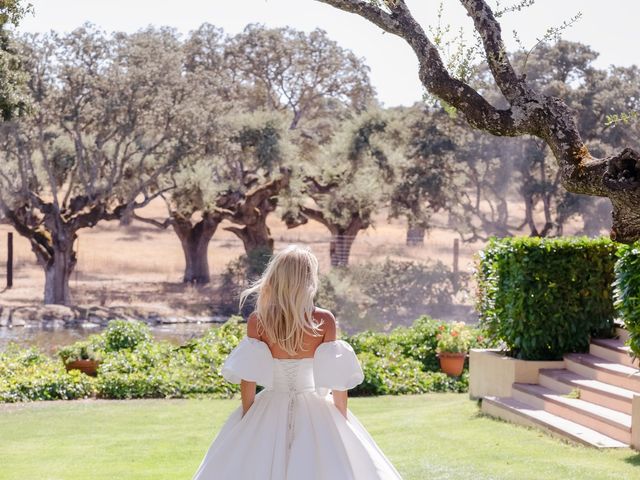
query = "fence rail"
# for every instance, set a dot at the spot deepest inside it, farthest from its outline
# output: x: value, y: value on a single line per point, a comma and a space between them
x: 112, y: 260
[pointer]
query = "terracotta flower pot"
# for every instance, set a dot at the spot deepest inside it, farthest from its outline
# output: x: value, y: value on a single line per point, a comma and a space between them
x: 452, y: 363
x: 88, y: 367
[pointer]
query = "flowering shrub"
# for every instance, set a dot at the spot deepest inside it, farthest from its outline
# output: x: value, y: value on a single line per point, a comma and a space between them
x: 455, y: 338
x: 405, y: 359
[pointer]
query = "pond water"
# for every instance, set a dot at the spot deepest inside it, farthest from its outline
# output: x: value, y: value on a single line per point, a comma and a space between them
x: 48, y: 339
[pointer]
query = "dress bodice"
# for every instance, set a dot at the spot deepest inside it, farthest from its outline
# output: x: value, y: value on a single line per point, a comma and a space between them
x: 293, y: 376
x: 333, y: 366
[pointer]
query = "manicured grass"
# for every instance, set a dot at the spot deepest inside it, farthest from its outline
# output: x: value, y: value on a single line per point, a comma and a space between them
x: 437, y: 436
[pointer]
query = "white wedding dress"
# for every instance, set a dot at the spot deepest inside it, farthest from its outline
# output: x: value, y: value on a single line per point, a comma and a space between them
x: 293, y: 431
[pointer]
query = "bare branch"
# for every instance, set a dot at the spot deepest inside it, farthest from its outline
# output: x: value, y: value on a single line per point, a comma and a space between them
x: 163, y: 225
x: 370, y: 12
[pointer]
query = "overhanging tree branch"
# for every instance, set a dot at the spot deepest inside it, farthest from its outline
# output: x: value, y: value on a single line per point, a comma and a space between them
x: 530, y: 112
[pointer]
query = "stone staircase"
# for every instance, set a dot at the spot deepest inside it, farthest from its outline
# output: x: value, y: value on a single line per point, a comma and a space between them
x: 589, y: 401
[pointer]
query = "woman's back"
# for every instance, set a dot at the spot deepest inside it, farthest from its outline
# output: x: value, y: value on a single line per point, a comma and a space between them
x: 298, y: 426
x: 326, y: 332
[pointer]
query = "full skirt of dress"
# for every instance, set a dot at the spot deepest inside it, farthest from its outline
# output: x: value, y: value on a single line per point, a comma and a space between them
x: 294, y: 437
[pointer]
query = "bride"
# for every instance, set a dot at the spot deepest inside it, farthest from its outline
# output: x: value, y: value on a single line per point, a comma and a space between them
x: 298, y: 427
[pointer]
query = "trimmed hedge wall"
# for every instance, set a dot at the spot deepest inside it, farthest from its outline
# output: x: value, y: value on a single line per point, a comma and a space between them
x: 627, y: 292
x: 546, y: 297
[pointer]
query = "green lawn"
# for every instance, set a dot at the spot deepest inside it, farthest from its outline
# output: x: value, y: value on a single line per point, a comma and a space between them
x: 437, y: 436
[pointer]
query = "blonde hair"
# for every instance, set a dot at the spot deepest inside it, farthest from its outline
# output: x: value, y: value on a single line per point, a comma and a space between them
x: 285, y: 294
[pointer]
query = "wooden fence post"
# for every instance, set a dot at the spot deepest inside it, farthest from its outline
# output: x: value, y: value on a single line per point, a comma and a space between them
x: 9, y: 259
x: 456, y: 260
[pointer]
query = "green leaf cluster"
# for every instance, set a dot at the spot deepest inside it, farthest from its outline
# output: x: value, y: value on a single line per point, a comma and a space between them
x: 405, y: 360
x: 28, y: 374
x: 627, y: 292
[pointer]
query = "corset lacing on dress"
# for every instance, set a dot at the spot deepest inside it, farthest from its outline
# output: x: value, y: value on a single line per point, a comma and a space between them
x: 293, y: 377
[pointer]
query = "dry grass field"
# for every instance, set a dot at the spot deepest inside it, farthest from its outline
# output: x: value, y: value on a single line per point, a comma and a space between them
x: 142, y: 265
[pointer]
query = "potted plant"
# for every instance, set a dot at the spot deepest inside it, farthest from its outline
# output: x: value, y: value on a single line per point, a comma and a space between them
x: 453, y: 344
x: 84, y: 355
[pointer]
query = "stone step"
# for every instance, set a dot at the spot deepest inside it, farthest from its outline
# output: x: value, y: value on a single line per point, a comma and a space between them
x: 512, y: 410
x: 565, y: 382
x: 606, y: 371
x: 612, y: 349
x: 609, y: 422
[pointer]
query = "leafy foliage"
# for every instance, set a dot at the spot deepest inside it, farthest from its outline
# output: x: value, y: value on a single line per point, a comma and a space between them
x: 546, y: 297
x: 371, y: 295
x: 27, y: 374
x: 121, y: 334
x: 89, y: 349
x: 627, y: 292
x: 454, y: 338
x: 405, y: 361
x: 158, y: 369
x: 13, y: 97
x: 135, y: 366
x: 424, y: 173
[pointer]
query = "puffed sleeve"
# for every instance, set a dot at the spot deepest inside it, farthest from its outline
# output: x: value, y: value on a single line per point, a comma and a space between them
x: 251, y: 361
x: 336, y: 367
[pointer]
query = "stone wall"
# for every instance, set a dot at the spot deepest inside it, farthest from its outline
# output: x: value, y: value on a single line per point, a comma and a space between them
x: 60, y: 315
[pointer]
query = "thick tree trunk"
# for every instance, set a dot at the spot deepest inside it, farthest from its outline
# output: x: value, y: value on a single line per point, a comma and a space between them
x: 252, y: 215
x: 342, y: 237
x: 195, y: 246
x: 258, y: 244
x: 340, y: 249
x: 56, y: 286
x: 256, y: 236
x: 58, y: 261
x: 127, y: 218
x: 342, y: 240
x: 415, y: 235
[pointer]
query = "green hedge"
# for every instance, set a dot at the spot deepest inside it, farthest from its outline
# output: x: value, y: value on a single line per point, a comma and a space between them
x: 546, y: 297
x: 627, y: 292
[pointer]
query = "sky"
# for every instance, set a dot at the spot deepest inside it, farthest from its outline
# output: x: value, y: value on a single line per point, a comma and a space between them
x: 609, y: 27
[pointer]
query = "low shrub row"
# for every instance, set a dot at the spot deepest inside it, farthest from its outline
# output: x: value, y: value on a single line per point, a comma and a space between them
x: 28, y: 374
x: 405, y: 360
x: 134, y: 365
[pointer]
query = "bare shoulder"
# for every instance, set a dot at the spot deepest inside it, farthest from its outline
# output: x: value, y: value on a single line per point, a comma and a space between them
x: 252, y: 326
x: 328, y: 323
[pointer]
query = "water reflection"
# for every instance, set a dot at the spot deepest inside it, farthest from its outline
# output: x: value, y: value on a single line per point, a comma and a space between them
x: 47, y: 338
